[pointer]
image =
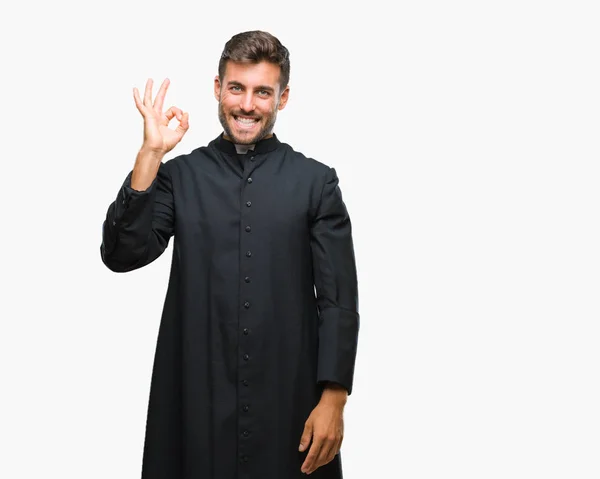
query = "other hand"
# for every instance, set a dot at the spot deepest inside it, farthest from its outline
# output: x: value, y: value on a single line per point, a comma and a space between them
x: 325, y: 426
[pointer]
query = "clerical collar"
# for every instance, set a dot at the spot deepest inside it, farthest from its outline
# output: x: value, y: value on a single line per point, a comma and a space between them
x: 263, y: 146
x: 243, y: 149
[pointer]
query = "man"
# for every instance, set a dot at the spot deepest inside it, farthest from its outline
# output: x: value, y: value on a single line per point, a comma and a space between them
x: 257, y: 343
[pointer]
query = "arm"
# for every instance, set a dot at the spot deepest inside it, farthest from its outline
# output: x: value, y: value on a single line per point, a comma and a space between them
x: 337, y: 300
x: 337, y: 290
x: 140, y: 222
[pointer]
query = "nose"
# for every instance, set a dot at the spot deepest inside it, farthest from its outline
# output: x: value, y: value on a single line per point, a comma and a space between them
x: 247, y: 102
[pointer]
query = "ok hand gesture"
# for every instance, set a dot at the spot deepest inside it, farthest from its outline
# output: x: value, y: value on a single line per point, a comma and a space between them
x: 158, y: 137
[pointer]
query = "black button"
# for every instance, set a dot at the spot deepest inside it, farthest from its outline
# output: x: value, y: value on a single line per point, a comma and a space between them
x: 246, y: 305
x: 248, y: 253
x: 246, y: 331
x: 248, y: 229
x: 114, y: 223
x: 245, y: 408
x: 246, y: 433
x: 245, y: 382
x: 246, y: 357
x: 251, y: 158
x: 245, y: 458
x: 123, y: 201
x: 249, y: 204
x: 247, y: 279
x: 249, y: 180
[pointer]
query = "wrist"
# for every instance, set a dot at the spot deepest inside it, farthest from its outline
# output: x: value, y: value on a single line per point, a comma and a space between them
x: 148, y: 156
x: 145, y: 169
x: 334, y: 393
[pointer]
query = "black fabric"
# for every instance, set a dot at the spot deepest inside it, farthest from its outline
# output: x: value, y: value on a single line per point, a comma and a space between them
x: 245, y: 345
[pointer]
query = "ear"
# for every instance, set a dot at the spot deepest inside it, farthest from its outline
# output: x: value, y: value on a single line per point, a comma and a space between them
x: 217, y: 88
x: 284, y: 98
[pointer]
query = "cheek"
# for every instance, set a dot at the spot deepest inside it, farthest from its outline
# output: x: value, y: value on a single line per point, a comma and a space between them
x: 227, y: 102
x: 267, y: 107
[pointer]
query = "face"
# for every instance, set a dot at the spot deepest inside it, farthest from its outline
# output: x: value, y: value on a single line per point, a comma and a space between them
x: 249, y: 99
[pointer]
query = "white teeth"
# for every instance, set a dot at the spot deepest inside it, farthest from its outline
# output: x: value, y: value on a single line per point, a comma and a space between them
x: 247, y: 121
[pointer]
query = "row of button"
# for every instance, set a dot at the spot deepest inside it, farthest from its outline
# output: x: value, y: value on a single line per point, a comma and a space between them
x: 246, y: 331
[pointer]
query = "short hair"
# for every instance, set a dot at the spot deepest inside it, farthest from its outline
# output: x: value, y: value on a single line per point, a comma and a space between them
x: 253, y: 47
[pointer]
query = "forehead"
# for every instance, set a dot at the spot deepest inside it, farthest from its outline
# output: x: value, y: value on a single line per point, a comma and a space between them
x: 252, y: 73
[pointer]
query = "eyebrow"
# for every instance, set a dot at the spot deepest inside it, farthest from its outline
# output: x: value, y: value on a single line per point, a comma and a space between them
x: 259, y: 87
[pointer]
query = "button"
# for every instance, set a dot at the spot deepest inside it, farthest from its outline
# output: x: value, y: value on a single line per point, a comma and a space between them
x: 246, y: 357
x: 251, y: 158
x: 247, y: 279
x: 246, y: 433
x: 246, y: 305
x: 244, y: 458
x: 248, y: 253
x: 245, y: 408
x: 249, y: 204
x: 123, y: 202
x: 245, y: 382
x: 248, y: 229
x: 246, y: 331
x: 249, y: 180
x: 114, y: 223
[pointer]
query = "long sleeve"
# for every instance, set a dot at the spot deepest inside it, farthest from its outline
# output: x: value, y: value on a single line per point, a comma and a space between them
x: 138, y: 224
x: 336, y: 286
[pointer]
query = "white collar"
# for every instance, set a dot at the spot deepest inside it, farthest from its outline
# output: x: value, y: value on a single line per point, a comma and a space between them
x: 243, y: 149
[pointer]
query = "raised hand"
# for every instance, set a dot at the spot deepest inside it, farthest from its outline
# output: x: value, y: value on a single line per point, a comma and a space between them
x: 158, y: 137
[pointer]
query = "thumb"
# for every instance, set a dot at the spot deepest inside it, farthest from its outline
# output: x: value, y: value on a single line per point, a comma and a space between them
x: 183, y: 124
x: 306, y: 436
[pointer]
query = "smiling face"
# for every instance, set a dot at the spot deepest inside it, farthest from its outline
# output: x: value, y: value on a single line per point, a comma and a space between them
x: 249, y: 97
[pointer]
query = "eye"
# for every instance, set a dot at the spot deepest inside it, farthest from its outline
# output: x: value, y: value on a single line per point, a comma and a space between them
x: 235, y: 88
x: 263, y: 92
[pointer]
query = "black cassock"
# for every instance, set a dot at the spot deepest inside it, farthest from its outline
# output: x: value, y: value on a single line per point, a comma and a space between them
x: 261, y: 308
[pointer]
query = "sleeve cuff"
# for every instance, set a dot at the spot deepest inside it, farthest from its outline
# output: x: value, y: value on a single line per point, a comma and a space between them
x: 337, y: 346
x: 128, y: 197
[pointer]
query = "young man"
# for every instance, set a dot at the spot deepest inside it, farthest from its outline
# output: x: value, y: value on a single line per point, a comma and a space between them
x: 257, y: 343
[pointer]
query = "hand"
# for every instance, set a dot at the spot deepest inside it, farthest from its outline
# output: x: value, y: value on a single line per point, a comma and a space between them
x: 325, y: 426
x: 158, y: 137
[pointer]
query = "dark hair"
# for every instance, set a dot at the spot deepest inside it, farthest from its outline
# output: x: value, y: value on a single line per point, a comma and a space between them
x: 254, y: 47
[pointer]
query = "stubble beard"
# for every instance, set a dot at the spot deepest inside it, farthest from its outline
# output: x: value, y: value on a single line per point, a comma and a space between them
x: 262, y: 133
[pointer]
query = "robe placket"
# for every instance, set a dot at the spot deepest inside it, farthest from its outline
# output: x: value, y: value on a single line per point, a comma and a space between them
x: 245, y: 329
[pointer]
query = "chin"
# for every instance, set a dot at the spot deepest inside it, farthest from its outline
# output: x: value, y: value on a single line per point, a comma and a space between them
x: 246, y: 137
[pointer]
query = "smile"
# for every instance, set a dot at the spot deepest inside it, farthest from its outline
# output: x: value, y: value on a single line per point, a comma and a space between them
x: 245, y: 122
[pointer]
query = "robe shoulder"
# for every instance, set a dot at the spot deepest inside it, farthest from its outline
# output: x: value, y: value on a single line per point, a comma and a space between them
x: 310, y: 164
x: 205, y: 157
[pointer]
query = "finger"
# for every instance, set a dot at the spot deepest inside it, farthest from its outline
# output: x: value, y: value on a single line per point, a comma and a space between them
x: 173, y: 112
x: 138, y: 101
x: 338, y: 446
x: 183, y: 125
x: 148, y: 94
x: 160, y: 97
x: 306, y: 436
x: 325, y: 455
x: 332, y: 453
x: 311, y: 458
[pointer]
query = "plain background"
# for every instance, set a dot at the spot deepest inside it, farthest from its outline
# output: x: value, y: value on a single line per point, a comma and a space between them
x: 465, y: 136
